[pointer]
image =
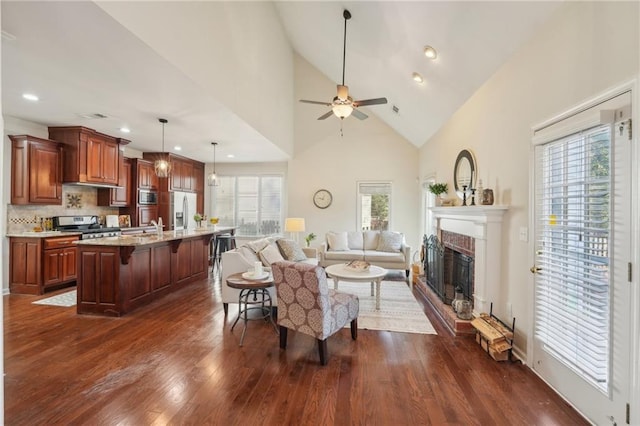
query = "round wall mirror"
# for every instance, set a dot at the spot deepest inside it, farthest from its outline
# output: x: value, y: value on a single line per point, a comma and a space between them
x: 464, y: 172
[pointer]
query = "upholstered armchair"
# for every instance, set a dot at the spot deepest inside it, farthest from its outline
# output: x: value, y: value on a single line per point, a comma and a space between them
x: 306, y: 304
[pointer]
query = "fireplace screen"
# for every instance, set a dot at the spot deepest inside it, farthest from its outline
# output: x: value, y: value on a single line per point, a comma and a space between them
x: 446, y: 269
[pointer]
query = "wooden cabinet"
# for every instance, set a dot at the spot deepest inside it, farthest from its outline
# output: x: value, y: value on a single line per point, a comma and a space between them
x: 181, y: 175
x: 198, y: 186
x: 36, y: 170
x: 147, y: 178
x: 122, y: 195
x: 59, y: 260
x: 37, y: 264
x: 146, y: 214
x: 89, y: 157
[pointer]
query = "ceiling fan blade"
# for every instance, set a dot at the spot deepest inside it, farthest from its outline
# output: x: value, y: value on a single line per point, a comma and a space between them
x: 359, y: 115
x: 315, y: 102
x: 377, y: 101
x: 343, y: 92
x: 325, y: 116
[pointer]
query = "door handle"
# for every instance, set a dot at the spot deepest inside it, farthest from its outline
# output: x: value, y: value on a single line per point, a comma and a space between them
x: 534, y: 269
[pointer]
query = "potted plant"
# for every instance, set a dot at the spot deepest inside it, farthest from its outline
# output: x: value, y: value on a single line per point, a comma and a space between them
x: 438, y: 189
x: 198, y: 218
x: 310, y: 238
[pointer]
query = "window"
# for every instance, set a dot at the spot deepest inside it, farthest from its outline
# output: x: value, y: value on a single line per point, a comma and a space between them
x: 252, y: 203
x: 572, y: 293
x: 374, y: 205
x: 428, y: 201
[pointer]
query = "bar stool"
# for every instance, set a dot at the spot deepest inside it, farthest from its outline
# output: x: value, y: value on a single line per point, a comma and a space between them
x: 223, y: 242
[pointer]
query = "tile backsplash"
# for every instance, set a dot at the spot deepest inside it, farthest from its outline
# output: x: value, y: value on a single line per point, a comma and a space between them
x: 76, y: 200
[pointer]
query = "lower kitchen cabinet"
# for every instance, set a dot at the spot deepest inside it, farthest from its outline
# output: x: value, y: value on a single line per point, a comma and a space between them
x: 37, y: 264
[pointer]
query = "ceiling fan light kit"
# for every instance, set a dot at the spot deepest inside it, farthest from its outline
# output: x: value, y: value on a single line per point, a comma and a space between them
x: 343, y: 105
x: 162, y: 166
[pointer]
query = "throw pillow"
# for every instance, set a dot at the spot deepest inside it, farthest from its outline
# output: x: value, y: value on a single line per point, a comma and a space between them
x: 356, y: 242
x: 270, y: 254
x: 390, y: 241
x: 290, y: 250
x: 371, y: 239
x: 338, y: 241
x: 258, y: 245
x: 248, y: 254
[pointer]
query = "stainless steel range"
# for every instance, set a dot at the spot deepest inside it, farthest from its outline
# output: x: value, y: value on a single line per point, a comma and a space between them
x: 87, y: 225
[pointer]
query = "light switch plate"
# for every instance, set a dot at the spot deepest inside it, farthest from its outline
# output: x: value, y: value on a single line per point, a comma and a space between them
x: 524, y: 234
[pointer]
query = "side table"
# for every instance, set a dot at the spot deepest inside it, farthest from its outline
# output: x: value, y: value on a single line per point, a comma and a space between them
x: 253, y: 296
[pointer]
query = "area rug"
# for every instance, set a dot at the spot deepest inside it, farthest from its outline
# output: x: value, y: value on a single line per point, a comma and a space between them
x: 65, y: 299
x: 399, y: 310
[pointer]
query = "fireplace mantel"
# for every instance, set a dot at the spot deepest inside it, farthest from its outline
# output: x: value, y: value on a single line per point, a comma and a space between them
x: 484, y: 224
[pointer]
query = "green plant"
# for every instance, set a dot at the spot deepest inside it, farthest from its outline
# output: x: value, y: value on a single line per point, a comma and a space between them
x: 197, y: 217
x: 310, y: 238
x: 438, y: 188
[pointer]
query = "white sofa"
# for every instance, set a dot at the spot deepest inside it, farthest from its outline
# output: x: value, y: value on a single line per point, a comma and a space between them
x: 242, y: 259
x: 386, y: 249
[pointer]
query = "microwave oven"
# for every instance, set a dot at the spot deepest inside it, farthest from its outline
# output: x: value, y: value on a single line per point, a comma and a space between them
x: 147, y: 197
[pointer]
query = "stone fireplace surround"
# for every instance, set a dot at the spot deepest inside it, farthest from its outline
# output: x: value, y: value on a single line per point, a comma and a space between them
x: 483, y: 224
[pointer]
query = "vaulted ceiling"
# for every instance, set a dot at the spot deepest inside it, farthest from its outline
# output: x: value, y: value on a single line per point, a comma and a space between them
x: 134, y: 62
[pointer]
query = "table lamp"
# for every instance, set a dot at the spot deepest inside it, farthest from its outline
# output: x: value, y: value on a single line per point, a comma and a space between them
x: 294, y: 225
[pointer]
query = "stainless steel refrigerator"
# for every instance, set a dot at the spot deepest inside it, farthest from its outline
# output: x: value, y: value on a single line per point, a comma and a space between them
x: 183, y: 207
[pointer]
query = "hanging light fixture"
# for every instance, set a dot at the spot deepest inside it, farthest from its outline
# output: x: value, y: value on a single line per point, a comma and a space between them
x: 162, y: 166
x: 212, y: 179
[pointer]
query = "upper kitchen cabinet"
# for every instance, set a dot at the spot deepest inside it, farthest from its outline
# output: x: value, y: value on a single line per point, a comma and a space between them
x: 183, y: 172
x: 90, y: 157
x: 36, y: 170
x: 147, y: 178
x: 120, y: 196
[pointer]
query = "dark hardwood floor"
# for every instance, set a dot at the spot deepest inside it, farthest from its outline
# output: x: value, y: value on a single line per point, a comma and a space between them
x: 177, y: 362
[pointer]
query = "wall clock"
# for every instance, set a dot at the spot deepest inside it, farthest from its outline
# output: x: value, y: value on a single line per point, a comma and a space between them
x: 322, y: 198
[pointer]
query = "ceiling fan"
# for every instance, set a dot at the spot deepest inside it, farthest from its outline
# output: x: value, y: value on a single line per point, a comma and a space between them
x: 343, y: 105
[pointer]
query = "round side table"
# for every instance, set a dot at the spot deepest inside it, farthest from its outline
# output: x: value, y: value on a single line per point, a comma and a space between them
x: 253, y: 296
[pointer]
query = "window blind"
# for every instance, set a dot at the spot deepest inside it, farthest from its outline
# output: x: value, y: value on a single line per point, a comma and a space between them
x: 573, y: 187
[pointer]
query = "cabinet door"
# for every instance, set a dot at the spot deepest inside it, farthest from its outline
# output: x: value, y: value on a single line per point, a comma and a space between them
x: 45, y: 180
x: 187, y: 176
x: 146, y: 214
x: 52, y: 266
x: 147, y: 178
x: 69, y: 264
x: 176, y: 175
x: 94, y: 160
x: 24, y: 265
x: 121, y: 196
x: 110, y: 162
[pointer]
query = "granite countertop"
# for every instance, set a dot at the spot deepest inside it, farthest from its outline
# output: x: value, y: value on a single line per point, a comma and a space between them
x: 152, y: 238
x: 42, y: 234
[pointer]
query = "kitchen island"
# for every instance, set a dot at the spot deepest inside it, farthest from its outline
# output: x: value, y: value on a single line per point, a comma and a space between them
x: 119, y: 274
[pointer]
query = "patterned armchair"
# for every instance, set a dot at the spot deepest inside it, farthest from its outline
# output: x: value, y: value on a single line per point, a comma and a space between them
x: 306, y: 304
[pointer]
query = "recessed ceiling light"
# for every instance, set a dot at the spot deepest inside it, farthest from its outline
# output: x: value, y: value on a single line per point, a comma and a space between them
x: 125, y: 130
x: 30, y: 97
x: 417, y: 78
x: 231, y: 156
x: 430, y: 52
x: 177, y: 148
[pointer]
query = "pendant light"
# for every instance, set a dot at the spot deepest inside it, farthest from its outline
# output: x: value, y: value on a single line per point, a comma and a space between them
x: 212, y: 179
x: 162, y: 166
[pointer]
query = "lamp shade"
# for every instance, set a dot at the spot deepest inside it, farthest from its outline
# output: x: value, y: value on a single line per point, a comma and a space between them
x: 342, y: 110
x: 294, y: 224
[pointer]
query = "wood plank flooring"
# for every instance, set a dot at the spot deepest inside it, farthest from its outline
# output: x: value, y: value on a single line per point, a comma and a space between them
x: 177, y: 362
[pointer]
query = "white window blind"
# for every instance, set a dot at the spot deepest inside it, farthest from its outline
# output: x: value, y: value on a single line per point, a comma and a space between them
x: 572, y: 251
x: 252, y: 203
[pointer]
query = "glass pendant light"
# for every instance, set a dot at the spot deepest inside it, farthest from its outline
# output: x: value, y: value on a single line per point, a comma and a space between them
x: 212, y: 179
x: 162, y: 166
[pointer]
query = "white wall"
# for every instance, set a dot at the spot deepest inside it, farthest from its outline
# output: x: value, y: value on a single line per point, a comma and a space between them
x: 253, y: 78
x: 583, y: 50
x: 369, y: 150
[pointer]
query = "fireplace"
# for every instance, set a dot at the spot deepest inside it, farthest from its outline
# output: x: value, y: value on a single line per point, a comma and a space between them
x: 475, y: 232
x: 449, y: 265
